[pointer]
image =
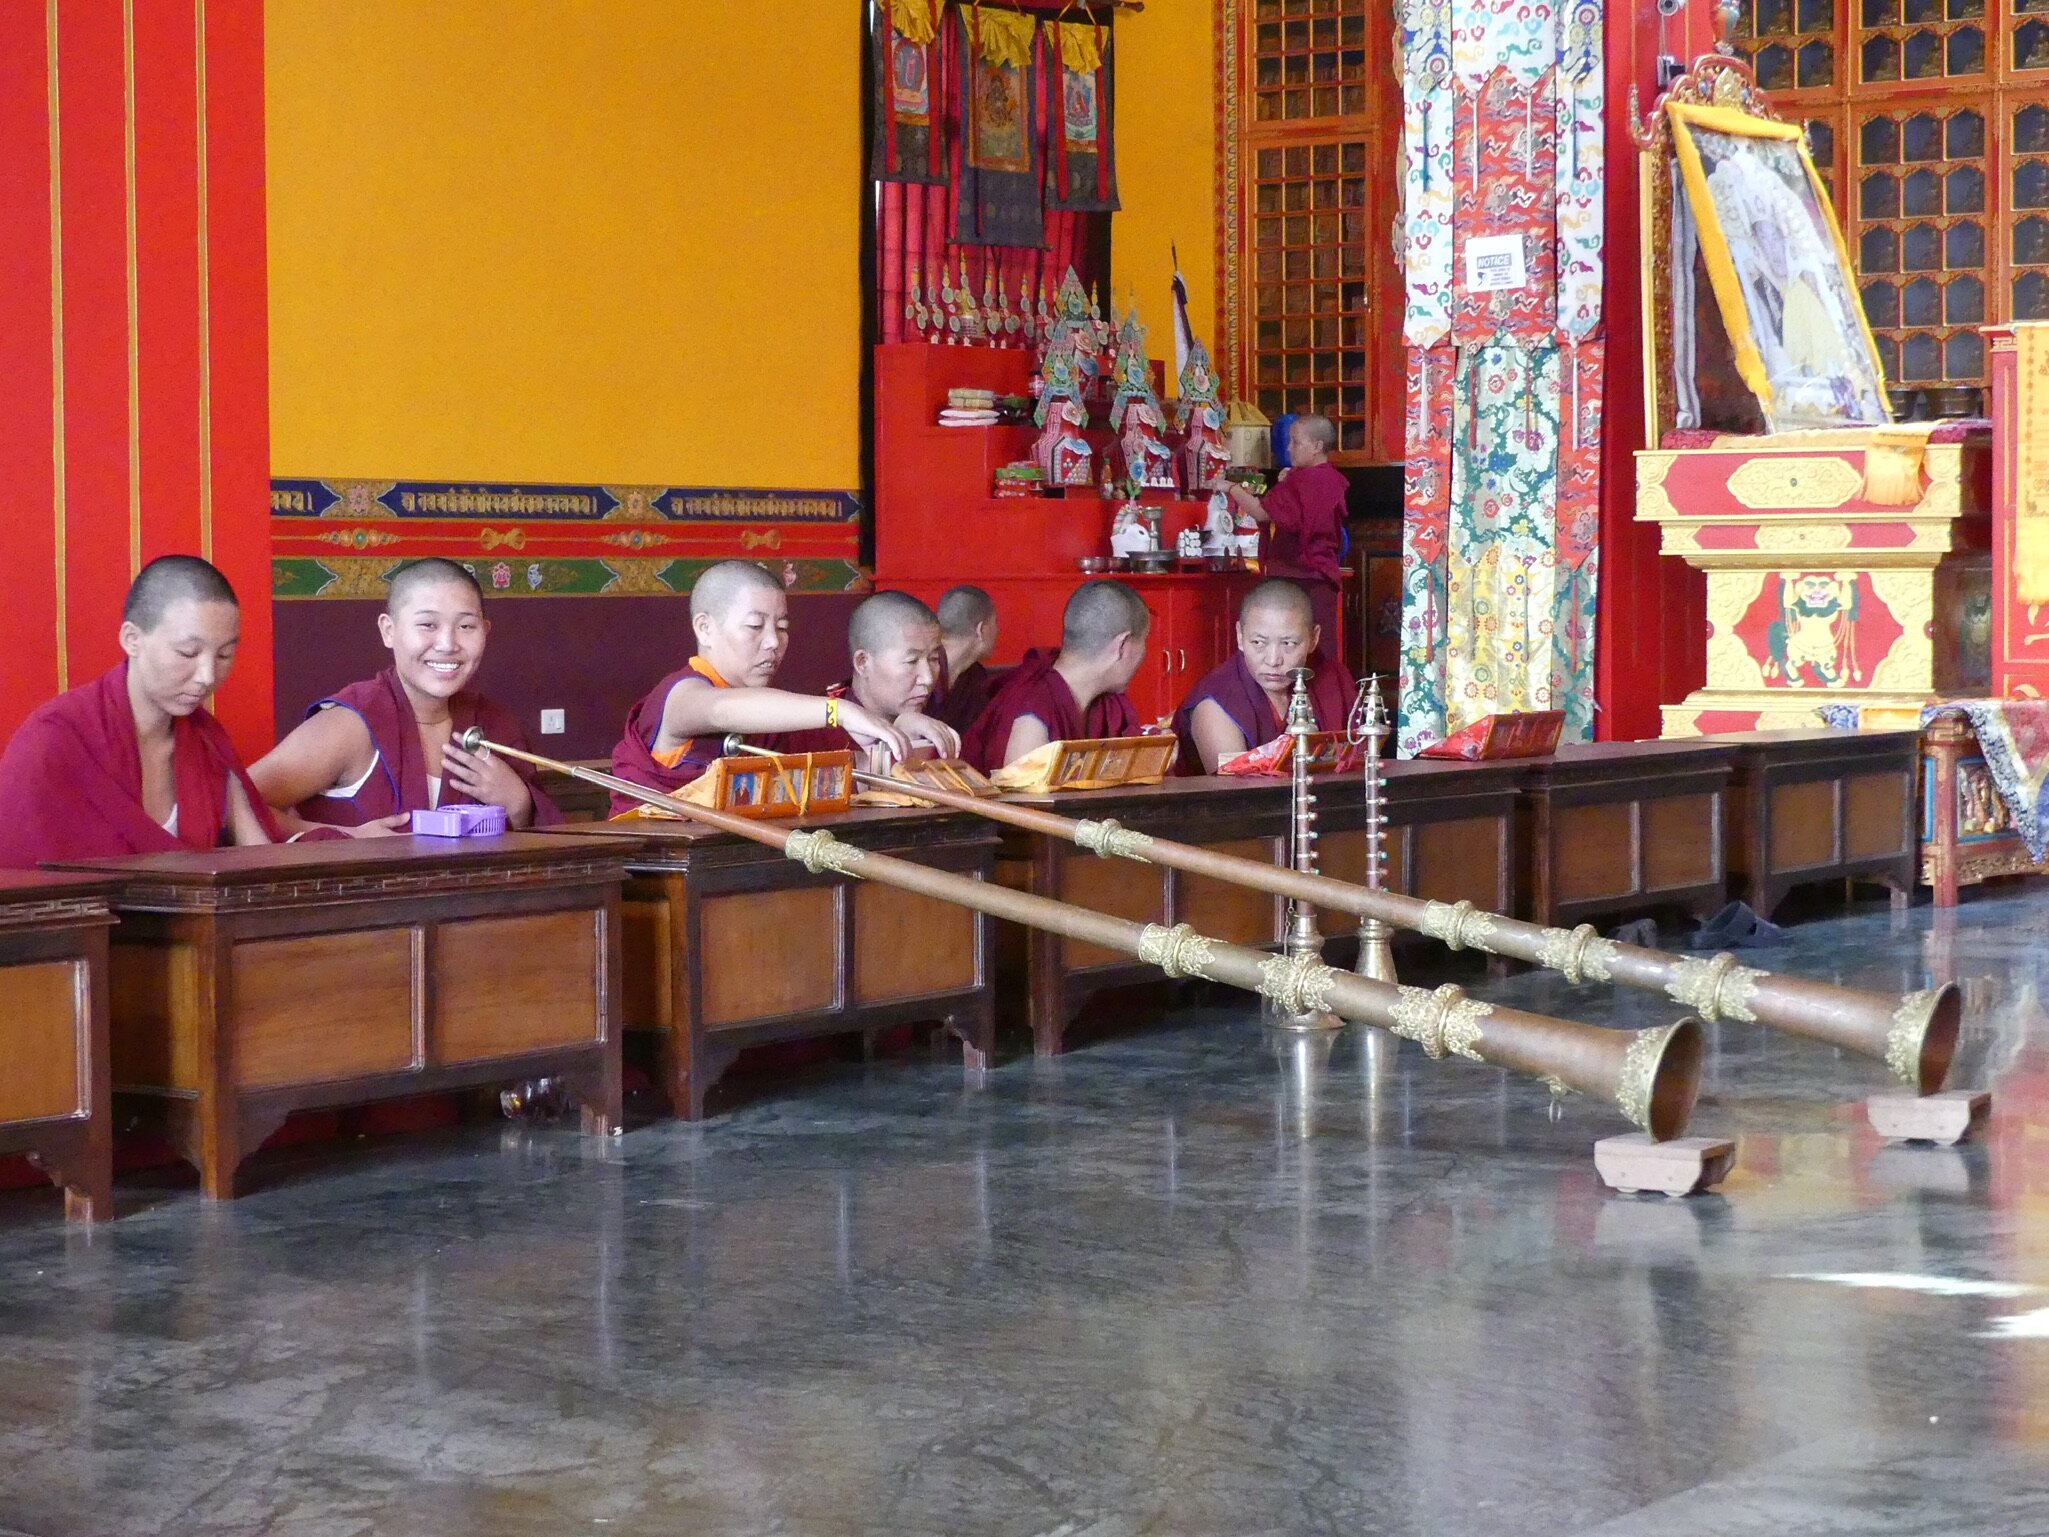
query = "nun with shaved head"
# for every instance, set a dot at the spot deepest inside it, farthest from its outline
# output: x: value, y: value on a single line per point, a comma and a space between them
x: 132, y: 762
x: 741, y: 621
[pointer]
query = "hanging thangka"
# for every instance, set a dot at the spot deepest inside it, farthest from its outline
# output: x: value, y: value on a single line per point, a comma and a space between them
x: 1084, y: 148
x: 908, y: 145
x: 999, y: 149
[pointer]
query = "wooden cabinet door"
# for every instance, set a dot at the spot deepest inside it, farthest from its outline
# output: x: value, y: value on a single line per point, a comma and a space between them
x: 1155, y: 689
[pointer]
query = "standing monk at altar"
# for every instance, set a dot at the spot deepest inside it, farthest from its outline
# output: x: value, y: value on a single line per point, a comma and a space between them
x: 1302, y: 519
x: 967, y: 626
x: 367, y: 757
x: 742, y: 623
x: 132, y: 763
x: 1074, y: 693
x: 1243, y: 702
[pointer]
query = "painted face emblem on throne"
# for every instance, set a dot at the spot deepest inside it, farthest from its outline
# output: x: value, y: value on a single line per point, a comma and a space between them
x: 1813, y: 643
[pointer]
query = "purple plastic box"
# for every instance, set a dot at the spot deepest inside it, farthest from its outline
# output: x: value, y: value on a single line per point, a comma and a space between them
x: 459, y: 822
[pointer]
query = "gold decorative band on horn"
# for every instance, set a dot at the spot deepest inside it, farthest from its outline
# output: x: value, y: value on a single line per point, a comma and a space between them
x: 1442, y: 1021
x: 820, y: 851
x: 1298, y: 984
x: 1110, y: 839
x: 1576, y: 954
x: 1458, y: 925
x: 1179, y: 951
x: 1719, y: 988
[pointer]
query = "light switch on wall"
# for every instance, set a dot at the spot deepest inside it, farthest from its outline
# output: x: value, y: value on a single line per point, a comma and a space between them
x: 551, y: 723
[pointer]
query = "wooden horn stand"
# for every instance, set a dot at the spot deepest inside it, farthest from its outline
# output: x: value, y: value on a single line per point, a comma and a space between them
x: 1915, y: 1036
x: 1652, y: 1076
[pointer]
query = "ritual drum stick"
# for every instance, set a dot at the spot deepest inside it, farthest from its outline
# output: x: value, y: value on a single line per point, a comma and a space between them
x: 1915, y: 1036
x: 1652, y: 1075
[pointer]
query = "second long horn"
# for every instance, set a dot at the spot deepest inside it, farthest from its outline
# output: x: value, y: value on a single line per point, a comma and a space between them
x: 1914, y: 1035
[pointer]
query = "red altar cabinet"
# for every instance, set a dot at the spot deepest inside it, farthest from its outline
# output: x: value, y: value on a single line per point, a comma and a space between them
x: 1816, y: 593
x: 939, y: 522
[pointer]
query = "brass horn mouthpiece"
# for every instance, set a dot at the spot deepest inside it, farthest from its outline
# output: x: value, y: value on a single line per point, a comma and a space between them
x: 471, y: 740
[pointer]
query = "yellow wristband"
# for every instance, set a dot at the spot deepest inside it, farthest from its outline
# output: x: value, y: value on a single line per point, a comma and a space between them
x: 832, y: 713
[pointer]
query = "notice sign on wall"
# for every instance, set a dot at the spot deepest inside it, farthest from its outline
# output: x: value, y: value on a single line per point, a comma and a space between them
x: 1495, y: 263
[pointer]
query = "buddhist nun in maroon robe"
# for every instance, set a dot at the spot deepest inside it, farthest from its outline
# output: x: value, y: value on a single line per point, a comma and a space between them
x: 740, y: 618
x: 893, y: 645
x: 1276, y: 634
x: 968, y: 630
x: 132, y: 763
x: 1302, y: 519
x: 369, y: 755
x: 1077, y: 692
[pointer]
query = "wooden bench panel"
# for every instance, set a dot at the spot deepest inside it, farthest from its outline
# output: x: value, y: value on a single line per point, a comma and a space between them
x: 322, y: 1007
x: 526, y: 983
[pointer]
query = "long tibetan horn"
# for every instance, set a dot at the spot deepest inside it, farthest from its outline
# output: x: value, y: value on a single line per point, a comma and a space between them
x: 1652, y: 1076
x: 1915, y: 1036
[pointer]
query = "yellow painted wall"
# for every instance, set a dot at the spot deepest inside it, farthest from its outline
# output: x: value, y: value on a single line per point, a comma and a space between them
x: 618, y: 240
x: 1166, y: 167
x: 614, y: 240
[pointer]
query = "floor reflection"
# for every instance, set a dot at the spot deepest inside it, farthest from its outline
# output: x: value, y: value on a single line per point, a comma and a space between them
x: 1209, y: 1278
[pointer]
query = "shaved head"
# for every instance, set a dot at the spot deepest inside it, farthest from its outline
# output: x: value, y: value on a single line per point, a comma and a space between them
x: 1278, y: 596
x: 1322, y: 431
x: 878, y: 621
x: 1097, y: 614
x: 722, y: 585
x: 415, y: 575
x: 172, y: 579
x: 962, y: 608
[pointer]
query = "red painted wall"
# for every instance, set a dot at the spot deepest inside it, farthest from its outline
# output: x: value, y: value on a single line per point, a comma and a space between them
x: 1651, y: 627
x: 134, y: 382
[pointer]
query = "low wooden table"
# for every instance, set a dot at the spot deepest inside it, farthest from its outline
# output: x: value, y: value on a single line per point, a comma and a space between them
x: 250, y: 983
x: 1449, y: 838
x: 1821, y: 806
x: 1614, y: 828
x: 731, y: 945
x: 53, y: 1033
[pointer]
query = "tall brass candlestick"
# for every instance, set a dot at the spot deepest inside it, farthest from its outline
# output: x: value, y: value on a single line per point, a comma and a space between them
x: 1305, y: 940
x: 1376, y: 946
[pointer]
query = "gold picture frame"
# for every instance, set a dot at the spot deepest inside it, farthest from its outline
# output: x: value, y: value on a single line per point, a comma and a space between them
x: 1780, y: 271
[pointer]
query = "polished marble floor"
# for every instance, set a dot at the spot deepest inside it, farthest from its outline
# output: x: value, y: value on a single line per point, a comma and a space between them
x: 1183, y: 1282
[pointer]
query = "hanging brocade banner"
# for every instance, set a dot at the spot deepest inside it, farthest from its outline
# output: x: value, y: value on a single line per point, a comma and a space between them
x: 1502, y: 134
x: 909, y: 145
x: 1083, y: 142
x: 999, y: 150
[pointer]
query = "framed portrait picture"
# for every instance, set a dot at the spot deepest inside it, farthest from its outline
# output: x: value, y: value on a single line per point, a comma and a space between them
x: 1783, y: 288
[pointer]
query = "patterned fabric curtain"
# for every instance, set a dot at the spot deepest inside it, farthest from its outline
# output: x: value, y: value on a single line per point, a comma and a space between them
x: 1502, y: 189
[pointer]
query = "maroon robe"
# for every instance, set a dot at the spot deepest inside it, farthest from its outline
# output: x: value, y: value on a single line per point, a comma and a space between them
x: 1231, y: 684
x: 1305, y: 538
x: 1033, y: 688
x: 1305, y: 541
x: 634, y: 756
x: 71, y: 781
x: 398, y: 782
x: 962, y: 700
